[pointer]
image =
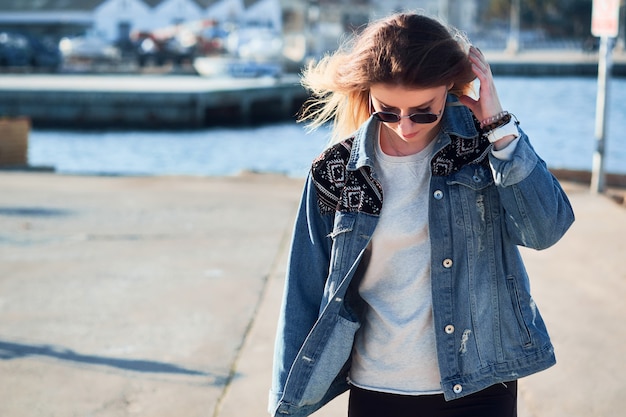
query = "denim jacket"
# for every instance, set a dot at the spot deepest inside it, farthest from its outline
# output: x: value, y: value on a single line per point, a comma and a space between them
x: 488, y: 328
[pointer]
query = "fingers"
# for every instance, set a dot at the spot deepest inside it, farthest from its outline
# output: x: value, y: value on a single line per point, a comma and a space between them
x: 479, y: 64
x: 488, y: 102
x: 470, y: 103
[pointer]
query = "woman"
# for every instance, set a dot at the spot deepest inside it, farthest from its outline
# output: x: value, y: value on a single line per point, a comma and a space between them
x: 404, y: 283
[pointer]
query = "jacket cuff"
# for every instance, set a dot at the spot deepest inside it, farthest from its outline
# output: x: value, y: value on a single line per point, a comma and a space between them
x: 518, y: 168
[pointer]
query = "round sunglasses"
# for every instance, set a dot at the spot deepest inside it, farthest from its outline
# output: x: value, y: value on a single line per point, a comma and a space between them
x: 390, y: 117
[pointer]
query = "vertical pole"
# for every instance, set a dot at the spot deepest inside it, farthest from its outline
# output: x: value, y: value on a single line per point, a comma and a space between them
x: 513, y: 45
x: 444, y: 10
x: 621, y: 31
x: 604, y: 76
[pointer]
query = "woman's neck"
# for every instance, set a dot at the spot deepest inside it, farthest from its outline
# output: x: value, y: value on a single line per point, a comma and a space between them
x: 393, y: 145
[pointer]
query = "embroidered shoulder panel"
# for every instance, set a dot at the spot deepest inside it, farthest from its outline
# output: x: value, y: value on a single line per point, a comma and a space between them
x: 460, y: 152
x: 339, y: 189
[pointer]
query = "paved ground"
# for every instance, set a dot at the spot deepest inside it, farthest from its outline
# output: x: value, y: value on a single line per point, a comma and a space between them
x: 131, y: 296
x: 158, y: 297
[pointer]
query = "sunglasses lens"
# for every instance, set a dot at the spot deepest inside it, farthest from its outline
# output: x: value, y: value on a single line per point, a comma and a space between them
x: 423, y: 117
x: 420, y: 118
x: 387, y: 117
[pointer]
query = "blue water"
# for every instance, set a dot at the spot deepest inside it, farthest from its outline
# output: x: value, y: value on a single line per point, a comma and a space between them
x: 558, y: 114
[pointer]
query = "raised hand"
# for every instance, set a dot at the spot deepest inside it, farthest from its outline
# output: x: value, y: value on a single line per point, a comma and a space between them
x: 488, y: 103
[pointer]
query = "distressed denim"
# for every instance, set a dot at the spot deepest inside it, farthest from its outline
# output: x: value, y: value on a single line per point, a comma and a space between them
x: 488, y: 328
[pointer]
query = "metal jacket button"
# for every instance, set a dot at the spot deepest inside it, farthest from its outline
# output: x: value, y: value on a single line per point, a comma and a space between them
x: 457, y: 389
x: 438, y: 194
x: 449, y: 329
x: 447, y: 263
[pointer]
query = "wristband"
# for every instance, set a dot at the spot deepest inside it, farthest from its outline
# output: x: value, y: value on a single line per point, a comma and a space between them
x: 507, y: 129
x: 484, y: 124
x: 496, y: 122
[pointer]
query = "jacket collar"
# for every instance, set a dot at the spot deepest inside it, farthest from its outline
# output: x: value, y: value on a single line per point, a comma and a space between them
x: 457, y: 121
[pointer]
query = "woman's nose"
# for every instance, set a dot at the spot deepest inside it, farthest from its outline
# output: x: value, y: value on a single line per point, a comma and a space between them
x: 405, y: 124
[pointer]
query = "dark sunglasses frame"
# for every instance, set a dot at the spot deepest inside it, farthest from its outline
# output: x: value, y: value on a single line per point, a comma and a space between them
x: 390, y: 117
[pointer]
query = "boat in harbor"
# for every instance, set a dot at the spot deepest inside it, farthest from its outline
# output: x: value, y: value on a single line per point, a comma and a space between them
x: 249, y: 52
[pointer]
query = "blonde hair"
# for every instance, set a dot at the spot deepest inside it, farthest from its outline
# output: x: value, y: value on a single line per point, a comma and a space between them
x: 406, y: 49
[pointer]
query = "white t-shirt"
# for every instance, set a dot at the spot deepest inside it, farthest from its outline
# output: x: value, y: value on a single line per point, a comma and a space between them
x: 395, y: 350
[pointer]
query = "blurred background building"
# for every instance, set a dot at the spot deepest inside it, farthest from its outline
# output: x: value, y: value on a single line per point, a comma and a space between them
x: 156, y: 32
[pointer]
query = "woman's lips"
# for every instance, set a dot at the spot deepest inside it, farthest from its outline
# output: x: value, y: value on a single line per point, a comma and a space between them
x: 409, y: 135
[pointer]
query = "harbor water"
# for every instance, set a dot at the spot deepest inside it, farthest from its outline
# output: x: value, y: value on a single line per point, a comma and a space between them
x: 558, y: 114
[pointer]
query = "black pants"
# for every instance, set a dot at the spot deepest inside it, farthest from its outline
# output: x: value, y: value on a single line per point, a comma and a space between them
x: 499, y: 400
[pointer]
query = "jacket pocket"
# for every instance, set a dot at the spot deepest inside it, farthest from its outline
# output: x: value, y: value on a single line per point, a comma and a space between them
x: 474, y: 177
x: 336, y: 350
x: 516, y: 304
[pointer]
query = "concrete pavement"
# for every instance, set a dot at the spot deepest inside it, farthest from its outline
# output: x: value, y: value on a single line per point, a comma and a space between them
x: 131, y: 296
x: 159, y: 297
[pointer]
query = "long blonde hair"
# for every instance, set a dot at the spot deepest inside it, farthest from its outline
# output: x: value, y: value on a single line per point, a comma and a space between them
x: 406, y: 49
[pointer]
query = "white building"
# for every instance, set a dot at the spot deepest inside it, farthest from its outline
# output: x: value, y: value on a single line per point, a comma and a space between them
x: 266, y: 13
x: 325, y: 20
x: 114, y: 19
x: 225, y: 10
x: 170, y: 12
x: 459, y: 13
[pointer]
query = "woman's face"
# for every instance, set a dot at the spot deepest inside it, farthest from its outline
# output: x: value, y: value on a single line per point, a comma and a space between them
x: 405, y: 136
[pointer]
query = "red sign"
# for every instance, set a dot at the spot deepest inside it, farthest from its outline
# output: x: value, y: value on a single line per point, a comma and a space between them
x: 605, y: 18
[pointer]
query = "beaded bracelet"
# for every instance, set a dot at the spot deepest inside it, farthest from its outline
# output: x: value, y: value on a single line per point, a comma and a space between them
x: 501, y: 121
x: 490, y: 120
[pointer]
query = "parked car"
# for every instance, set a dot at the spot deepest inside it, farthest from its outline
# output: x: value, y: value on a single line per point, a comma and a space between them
x: 89, y: 49
x: 14, y: 50
x: 45, y: 54
x: 180, y: 43
x: 25, y: 50
x: 158, y: 49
